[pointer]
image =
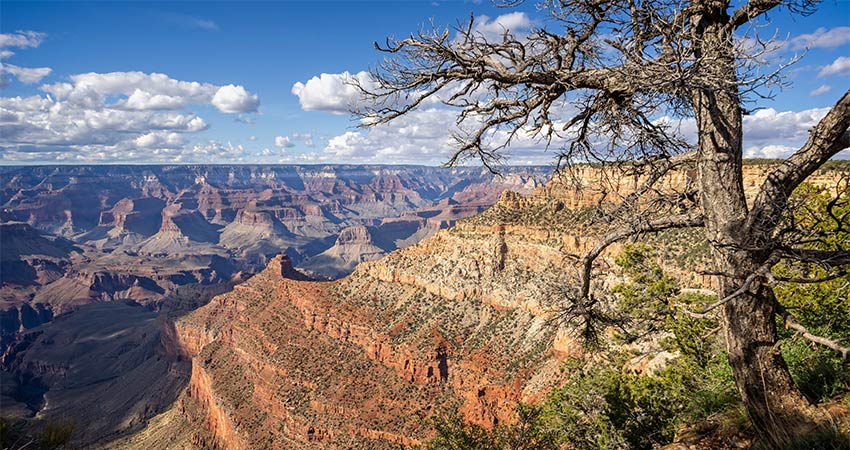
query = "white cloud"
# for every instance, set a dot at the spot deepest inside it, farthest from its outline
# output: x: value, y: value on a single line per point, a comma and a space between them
x: 774, y: 151
x: 515, y: 23
x: 420, y: 137
x: 215, y: 151
x: 769, y: 125
x: 125, y: 116
x: 840, y: 66
x: 772, y: 134
x: 24, y: 74
x: 822, y: 38
x: 196, y: 124
x: 823, y: 89
x: 142, y: 100
x: 158, y: 139
x: 154, y: 91
x: 235, y: 99
x: 283, y: 142
x: 423, y: 137
x: 333, y: 93
x: 252, y: 138
x: 37, y: 122
x: 22, y: 39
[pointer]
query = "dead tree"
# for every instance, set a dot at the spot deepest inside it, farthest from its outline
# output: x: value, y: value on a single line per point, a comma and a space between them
x: 599, y: 76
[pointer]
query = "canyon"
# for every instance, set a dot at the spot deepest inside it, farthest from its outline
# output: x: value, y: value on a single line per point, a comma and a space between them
x: 86, y: 249
x: 452, y: 304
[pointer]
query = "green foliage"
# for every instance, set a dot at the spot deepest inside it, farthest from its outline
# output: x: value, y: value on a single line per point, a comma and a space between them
x: 578, y: 407
x: 823, y: 308
x: 819, y: 373
x: 640, y: 408
x: 529, y: 433
x: 607, y: 406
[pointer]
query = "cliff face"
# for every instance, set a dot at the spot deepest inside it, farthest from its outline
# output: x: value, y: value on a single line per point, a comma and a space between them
x: 279, y: 363
x: 463, y: 319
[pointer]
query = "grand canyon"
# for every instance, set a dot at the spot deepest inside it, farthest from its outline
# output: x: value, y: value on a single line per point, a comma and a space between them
x: 192, y: 309
x: 425, y: 225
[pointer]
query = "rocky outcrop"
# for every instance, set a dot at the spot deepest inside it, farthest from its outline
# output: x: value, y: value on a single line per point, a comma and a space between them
x: 353, y: 246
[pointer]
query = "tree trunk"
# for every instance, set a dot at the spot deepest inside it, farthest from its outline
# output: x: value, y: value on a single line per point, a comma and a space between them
x: 776, y: 408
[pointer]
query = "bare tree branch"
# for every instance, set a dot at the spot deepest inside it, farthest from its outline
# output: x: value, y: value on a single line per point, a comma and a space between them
x: 791, y: 322
x: 828, y: 138
x: 681, y: 221
x: 751, y: 10
x: 817, y: 280
x: 830, y: 258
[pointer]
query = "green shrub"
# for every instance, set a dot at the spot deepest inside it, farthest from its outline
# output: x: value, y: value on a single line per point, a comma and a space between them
x: 529, y: 433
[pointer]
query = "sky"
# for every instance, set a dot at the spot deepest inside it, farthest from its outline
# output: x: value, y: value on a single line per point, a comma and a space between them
x: 264, y: 82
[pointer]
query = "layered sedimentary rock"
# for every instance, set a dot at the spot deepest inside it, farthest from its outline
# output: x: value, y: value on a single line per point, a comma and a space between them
x: 462, y: 320
x: 465, y: 319
x: 77, y: 241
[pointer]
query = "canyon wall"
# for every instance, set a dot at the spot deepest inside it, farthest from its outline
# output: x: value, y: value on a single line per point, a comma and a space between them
x: 466, y: 319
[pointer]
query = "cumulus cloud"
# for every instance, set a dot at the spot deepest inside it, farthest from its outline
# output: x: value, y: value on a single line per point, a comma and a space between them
x: 773, y: 151
x: 42, y: 122
x: 773, y: 134
x: 24, y: 74
x: 119, y: 115
x: 143, y: 100
x: 333, y: 93
x: 822, y: 38
x: 840, y: 66
x: 423, y: 137
x: 822, y: 89
x: 283, y: 142
x: 154, y: 91
x: 159, y: 139
x: 215, y: 151
x: 235, y: 99
x: 419, y: 137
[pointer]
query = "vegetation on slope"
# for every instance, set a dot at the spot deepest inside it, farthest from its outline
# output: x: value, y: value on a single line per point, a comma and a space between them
x: 691, y: 396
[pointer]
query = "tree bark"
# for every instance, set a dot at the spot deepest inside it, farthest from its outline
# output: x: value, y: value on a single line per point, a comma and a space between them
x: 777, y: 409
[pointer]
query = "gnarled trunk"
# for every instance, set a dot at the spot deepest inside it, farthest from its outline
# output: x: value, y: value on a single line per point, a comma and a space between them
x: 776, y: 408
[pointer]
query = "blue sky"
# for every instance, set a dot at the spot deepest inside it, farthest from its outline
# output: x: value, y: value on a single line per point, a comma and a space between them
x: 80, y: 85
